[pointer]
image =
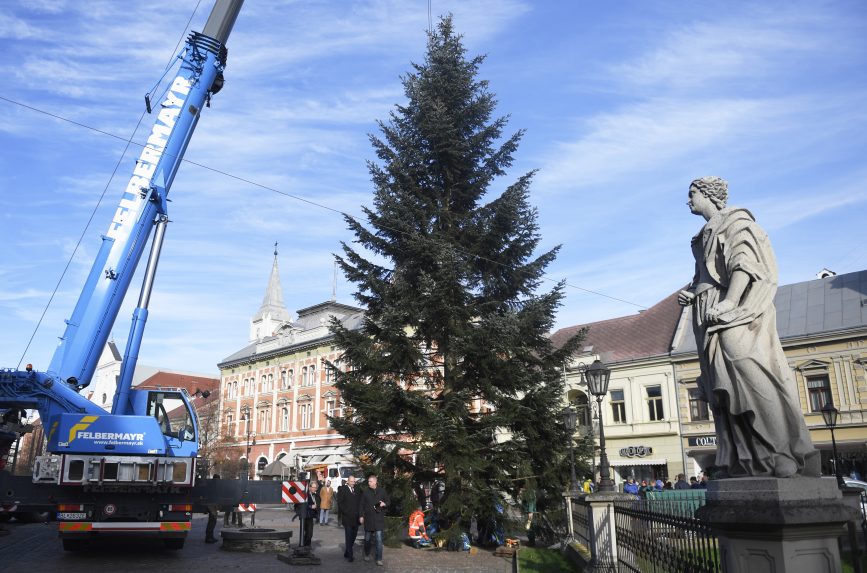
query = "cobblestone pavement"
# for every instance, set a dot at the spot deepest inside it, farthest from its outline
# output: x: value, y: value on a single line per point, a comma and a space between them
x: 35, y: 547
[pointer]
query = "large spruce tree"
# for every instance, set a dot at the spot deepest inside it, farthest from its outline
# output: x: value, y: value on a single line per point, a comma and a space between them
x: 453, y: 363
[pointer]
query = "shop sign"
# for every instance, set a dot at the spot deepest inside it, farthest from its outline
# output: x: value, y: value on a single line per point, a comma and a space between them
x: 636, y: 451
x: 702, y: 441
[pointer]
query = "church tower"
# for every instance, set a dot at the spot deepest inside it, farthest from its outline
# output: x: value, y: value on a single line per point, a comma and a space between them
x: 272, y: 314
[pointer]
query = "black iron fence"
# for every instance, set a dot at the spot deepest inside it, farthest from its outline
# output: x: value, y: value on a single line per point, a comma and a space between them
x: 660, y: 534
x: 581, y: 521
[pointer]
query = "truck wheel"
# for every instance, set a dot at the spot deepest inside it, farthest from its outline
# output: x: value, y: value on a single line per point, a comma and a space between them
x: 74, y: 544
x: 174, y: 544
x: 5, y: 516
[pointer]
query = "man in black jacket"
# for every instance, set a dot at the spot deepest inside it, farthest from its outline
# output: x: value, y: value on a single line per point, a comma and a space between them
x: 372, y: 510
x: 311, y: 512
x: 348, y: 499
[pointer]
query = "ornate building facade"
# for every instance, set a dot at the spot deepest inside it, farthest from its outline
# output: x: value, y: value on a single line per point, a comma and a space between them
x: 276, y: 393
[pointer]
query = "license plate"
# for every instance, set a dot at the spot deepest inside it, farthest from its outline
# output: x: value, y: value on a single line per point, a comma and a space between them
x: 71, y: 516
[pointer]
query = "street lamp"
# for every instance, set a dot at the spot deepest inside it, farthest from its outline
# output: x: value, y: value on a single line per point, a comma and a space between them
x: 246, y: 417
x: 829, y: 413
x: 597, y: 377
x: 570, y: 416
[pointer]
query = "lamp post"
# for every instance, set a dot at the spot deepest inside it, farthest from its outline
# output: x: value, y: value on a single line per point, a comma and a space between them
x: 829, y: 414
x: 246, y: 414
x: 570, y: 416
x: 597, y: 377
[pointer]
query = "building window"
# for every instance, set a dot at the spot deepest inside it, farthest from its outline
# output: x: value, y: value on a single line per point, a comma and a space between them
x: 284, y: 419
x: 313, y: 375
x: 283, y: 381
x: 265, y: 421
x: 304, y: 376
x: 654, y: 403
x: 329, y: 375
x: 306, y: 413
x: 230, y: 430
x: 329, y: 410
x: 697, y: 406
x: 270, y: 382
x: 618, y: 407
x: 235, y: 389
x: 819, y: 390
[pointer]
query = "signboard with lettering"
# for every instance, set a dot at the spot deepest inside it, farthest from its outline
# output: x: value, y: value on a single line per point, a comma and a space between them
x: 635, y: 451
x: 702, y: 441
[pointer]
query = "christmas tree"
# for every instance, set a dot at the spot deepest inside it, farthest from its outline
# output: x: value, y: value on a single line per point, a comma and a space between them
x: 452, y: 378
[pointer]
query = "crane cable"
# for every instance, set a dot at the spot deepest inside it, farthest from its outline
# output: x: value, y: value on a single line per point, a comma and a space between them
x: 129, y: 143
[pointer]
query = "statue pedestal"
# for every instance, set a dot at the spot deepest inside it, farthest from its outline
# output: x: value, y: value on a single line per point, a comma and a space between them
x: 777, y: 525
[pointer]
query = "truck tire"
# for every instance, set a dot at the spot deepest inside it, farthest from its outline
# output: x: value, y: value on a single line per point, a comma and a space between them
x: 174, y: 544
x: 5, y: 516
x: 74, y: 544
x: 257, y: 534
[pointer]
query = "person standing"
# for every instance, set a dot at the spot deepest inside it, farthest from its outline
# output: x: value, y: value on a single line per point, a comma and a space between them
x: 372, y: 517
x: 212, y: 519
x: 348, y: 501
x: 681, y: 482
x: 325, y: 494
x: 312, y: 512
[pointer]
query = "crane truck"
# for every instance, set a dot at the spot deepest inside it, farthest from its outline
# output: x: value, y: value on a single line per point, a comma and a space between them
x: 132, y: 471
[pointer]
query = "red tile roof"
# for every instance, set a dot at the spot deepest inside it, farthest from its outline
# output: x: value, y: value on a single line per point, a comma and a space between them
x: 188, y: 382
x: 648, y: 333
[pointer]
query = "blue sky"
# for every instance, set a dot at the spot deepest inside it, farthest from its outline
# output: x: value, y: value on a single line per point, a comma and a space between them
x: 623, y: 102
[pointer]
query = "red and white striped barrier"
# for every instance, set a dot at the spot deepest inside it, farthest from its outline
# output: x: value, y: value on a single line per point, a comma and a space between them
x: 251, y: 507
x: 294, y: 492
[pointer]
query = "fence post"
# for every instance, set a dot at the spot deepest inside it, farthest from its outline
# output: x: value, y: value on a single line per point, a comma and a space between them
x: 568, y: 498
x: 603, y: 535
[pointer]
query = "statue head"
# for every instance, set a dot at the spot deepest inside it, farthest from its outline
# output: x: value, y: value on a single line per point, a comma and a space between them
x: 714, y: 188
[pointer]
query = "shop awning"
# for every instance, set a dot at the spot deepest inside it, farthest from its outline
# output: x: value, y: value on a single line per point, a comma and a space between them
x: 328, y: 460
x: 640, y: 462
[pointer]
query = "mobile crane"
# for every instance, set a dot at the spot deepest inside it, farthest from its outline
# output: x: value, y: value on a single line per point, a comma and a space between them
x: 133, y: 471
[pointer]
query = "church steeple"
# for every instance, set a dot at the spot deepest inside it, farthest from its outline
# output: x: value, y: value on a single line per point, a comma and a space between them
x: 273, y: 313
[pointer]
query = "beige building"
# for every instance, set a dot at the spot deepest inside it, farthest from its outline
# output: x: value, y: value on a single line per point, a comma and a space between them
x: 823, y: 328
x: 640, y: 410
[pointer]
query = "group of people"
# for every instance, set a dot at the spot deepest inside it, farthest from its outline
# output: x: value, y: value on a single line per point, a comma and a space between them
x: 641, y: 489
x: 356, y: 507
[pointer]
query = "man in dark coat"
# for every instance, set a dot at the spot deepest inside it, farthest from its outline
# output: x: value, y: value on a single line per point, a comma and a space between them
x: 311, y: 514
x: 348, y: 500
x: 372, y: 509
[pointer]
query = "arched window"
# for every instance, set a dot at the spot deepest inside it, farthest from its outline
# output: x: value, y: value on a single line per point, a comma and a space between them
x: 283, y: 380
x: 304, y: 376
x: 260, y: 465
x: 284, y: 419
x: 313, y: 375
x: 290, y: 379
x: 270, y: 382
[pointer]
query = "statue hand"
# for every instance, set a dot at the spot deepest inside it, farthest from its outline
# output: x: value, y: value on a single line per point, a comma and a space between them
x: 716, y: 311
x: 685, y: 298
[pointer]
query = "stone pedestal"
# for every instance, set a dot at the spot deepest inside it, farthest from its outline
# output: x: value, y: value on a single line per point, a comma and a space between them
x: 777, y: 525
x: 603, y: 536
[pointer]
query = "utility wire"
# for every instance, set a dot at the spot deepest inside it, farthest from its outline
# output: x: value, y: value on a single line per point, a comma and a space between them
x: 253, y: 183
x: 129, y: 142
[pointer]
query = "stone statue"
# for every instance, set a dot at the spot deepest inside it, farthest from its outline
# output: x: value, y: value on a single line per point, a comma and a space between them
x: 744, y: 374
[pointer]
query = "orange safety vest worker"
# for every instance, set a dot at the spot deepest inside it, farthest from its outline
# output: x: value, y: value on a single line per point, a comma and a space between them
x: 416, y: 525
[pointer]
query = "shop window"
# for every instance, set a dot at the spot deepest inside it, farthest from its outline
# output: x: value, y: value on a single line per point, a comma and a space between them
x: 697, y: 406
x: 618, y: 407
x: 654, y: 403
x: 819, y: 391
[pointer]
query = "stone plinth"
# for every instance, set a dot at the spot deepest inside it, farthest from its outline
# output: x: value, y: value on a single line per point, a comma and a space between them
x: 603, y: 536
x: 776, y: 525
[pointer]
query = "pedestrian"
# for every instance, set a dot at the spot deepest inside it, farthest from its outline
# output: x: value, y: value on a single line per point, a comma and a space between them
x: 658, y: 485
x: 372, y: 517
x: 348, y: 500
x: 693, y: 483
x: 630, y: 486
x: 703, y: 483
x: 681, y: 482
x: 325, y: 494
x: 312, y: 512
x: 212, y: 519
x: 335, y: 504
x: 587, y: 486
x: 642, y: 489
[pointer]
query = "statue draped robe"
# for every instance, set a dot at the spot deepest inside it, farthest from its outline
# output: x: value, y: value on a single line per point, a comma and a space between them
x: 744, y: 374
